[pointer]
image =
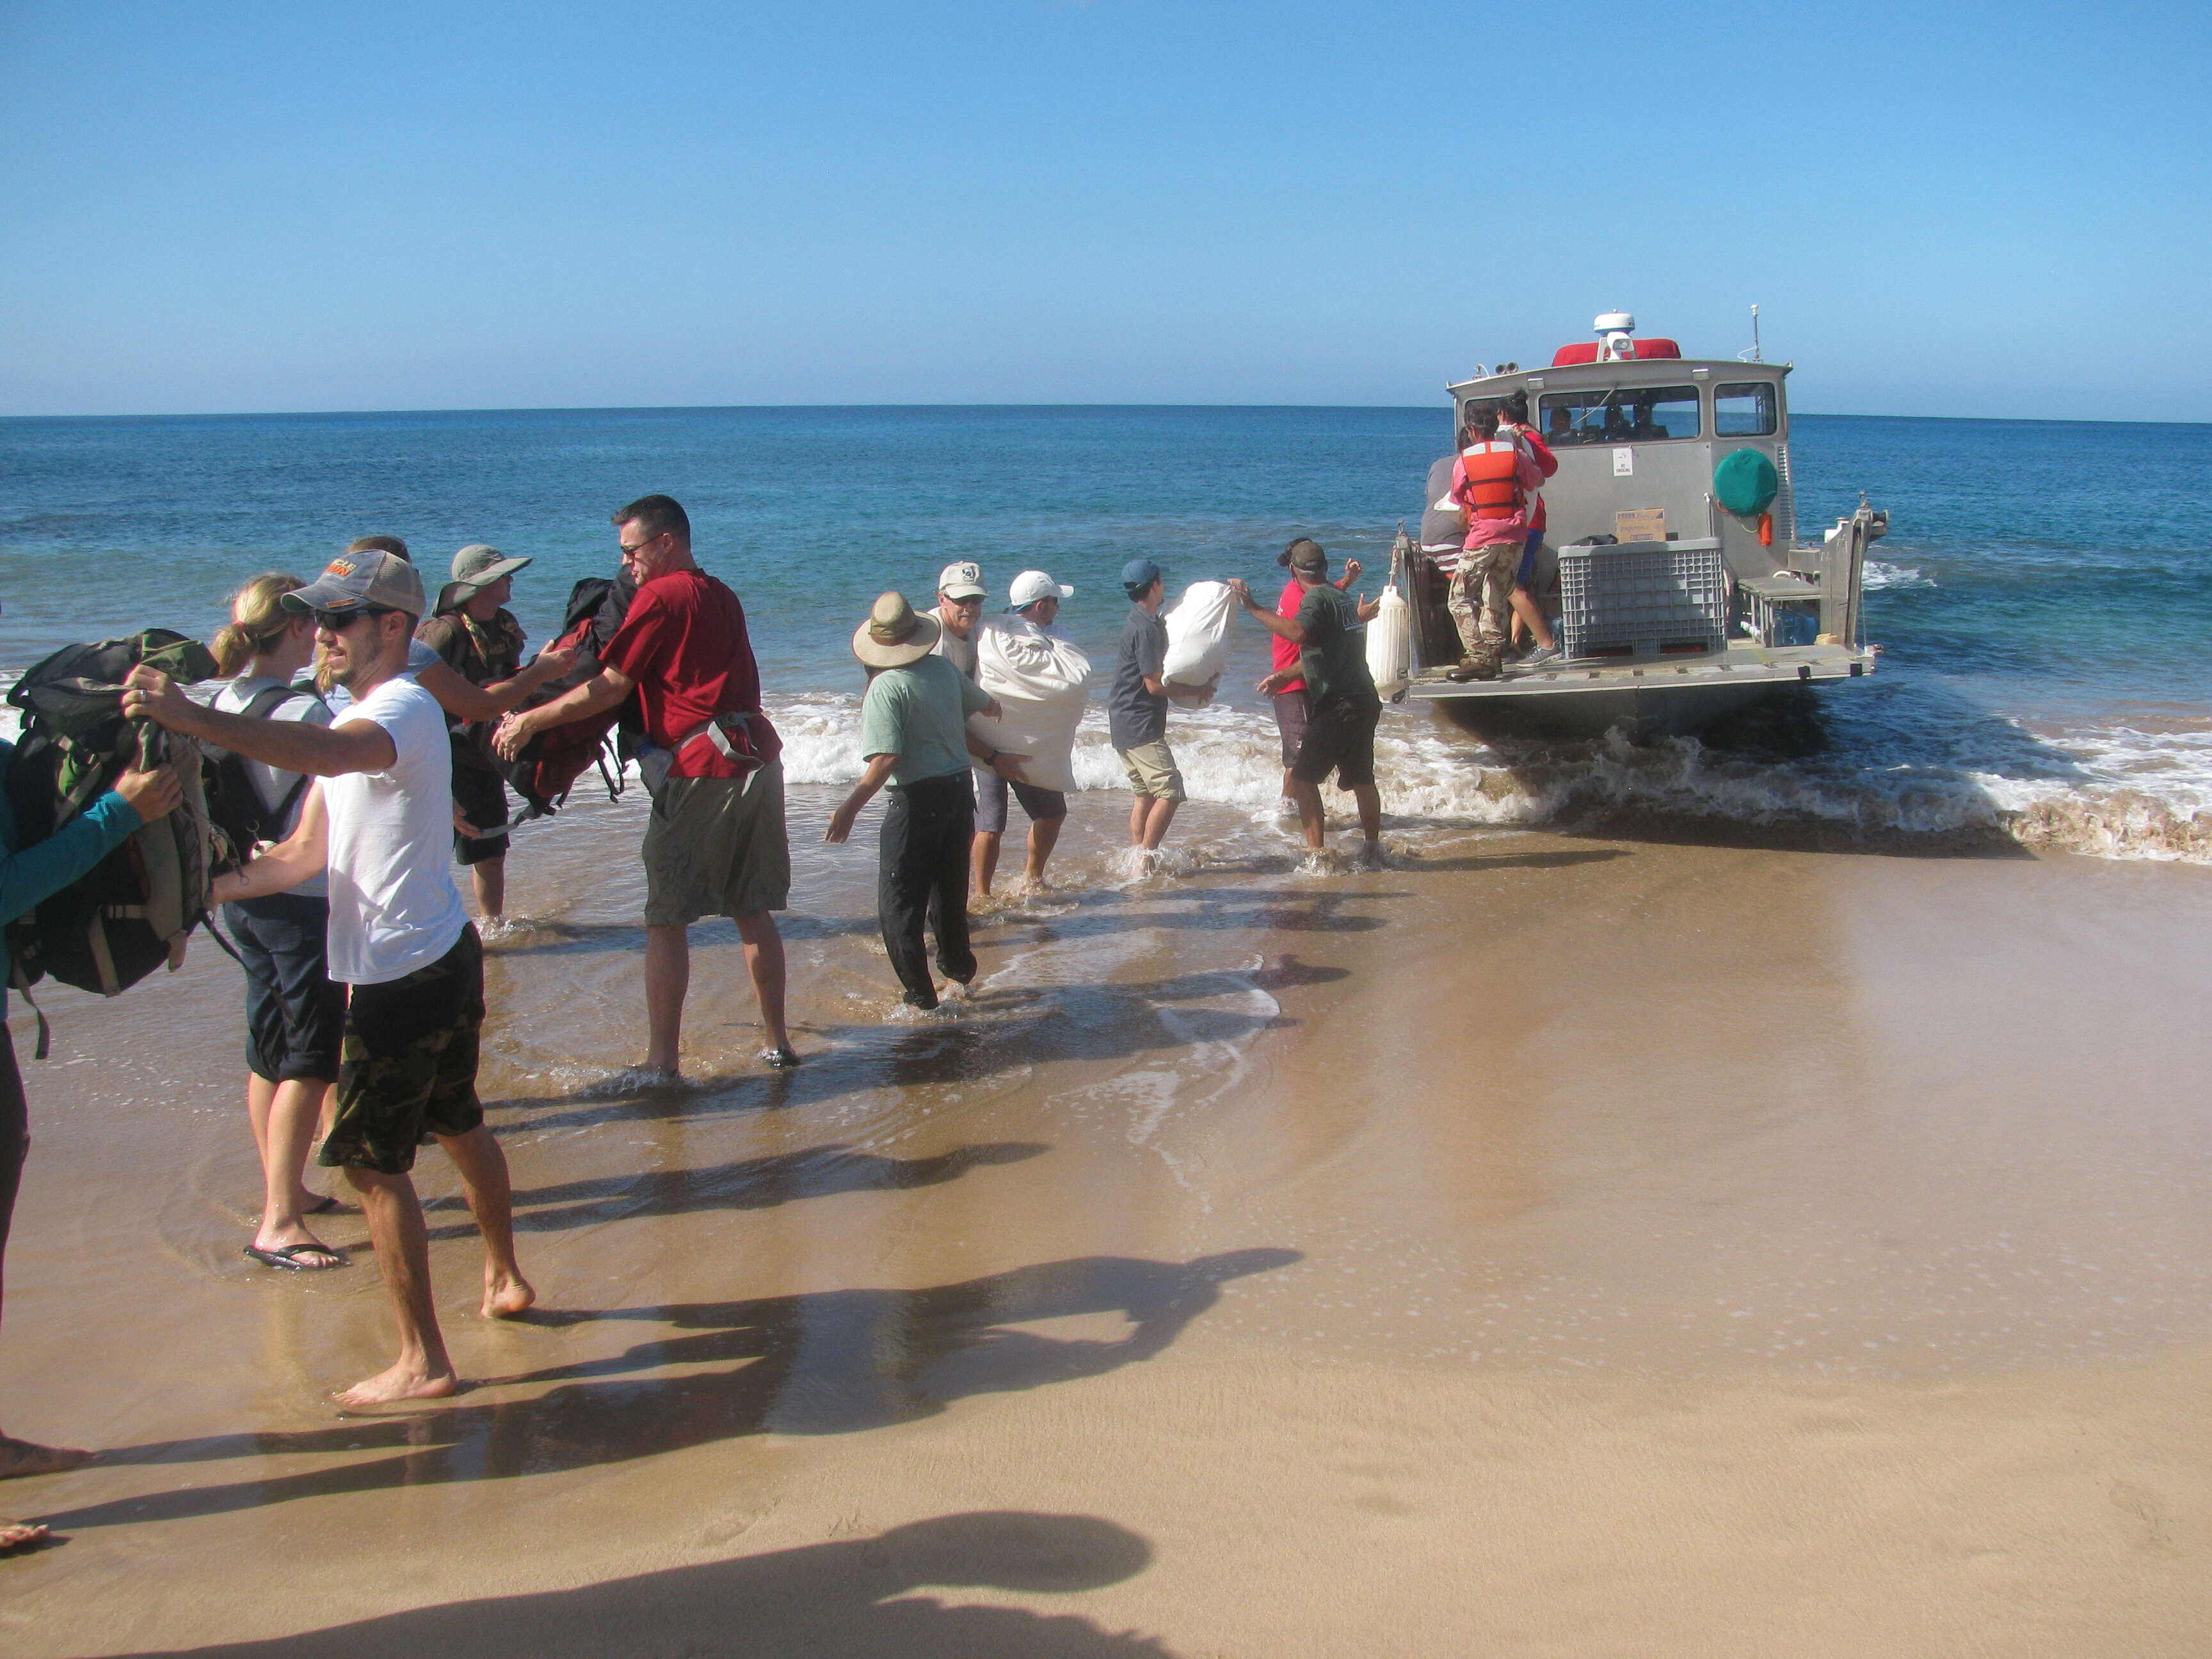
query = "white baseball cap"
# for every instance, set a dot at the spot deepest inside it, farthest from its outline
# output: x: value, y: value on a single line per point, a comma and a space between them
x: 1034, y: 585
x: 963, y: 581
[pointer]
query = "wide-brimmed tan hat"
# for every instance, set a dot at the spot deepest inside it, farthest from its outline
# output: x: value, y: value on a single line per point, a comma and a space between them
x: 895, y: 634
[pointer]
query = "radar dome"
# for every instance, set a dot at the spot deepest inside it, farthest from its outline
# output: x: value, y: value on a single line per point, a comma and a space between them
x: 1615, y: 322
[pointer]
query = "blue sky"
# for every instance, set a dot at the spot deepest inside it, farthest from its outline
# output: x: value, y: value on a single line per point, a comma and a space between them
x: 1944, y: 210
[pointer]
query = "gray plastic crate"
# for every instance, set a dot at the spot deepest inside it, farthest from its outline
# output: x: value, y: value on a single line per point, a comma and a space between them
x: 1640, y: 598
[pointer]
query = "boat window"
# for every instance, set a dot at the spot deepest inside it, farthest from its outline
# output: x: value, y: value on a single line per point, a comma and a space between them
x: 1744, y: 409
x: 1619, y: 415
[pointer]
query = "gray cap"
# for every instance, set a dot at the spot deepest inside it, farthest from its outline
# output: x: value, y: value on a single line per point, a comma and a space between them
x: 354, y: 581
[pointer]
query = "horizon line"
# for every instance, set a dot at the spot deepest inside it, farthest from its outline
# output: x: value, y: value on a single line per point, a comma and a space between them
x: 674, y: 408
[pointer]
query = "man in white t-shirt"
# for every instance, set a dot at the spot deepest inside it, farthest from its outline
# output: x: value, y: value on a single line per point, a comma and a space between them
x: 381, y: 821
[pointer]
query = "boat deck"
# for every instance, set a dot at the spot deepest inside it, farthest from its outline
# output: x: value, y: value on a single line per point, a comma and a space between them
x: 1744, y: 664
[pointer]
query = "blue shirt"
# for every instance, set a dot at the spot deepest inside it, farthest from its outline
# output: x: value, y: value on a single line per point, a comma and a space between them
x: 29, y: 875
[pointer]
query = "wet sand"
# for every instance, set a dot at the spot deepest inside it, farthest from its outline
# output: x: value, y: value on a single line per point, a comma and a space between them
x: 1555, y: 1245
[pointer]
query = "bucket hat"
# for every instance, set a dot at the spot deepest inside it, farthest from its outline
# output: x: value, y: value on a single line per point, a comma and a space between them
x: 895, y: 634
x: 475, y: 568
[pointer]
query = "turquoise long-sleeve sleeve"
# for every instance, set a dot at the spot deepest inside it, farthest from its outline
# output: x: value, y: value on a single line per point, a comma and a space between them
x: 29, y: 874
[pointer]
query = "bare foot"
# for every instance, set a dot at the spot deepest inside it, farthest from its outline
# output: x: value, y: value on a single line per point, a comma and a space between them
x: 399, y: 1383
x: 25, y: 1457
x: 506, y: 1295
x: 13, y: 1534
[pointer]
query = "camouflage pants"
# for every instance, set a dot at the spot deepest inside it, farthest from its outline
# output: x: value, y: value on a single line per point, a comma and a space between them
x: 407, y: 1064
x: 1483, y: 582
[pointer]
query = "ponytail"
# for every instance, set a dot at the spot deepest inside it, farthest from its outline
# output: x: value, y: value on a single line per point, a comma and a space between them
x: 259, y: 621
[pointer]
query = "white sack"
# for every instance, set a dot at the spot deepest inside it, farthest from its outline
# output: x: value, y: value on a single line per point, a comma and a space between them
x: 1038, y: 679
x: 1198, y: 639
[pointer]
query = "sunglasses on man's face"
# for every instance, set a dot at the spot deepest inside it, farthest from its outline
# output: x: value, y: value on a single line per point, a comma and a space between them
x: 338, y: 621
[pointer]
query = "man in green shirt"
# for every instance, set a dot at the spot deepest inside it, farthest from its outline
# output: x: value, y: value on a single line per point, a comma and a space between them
x: 913, y: 736
x: 1341, y: 700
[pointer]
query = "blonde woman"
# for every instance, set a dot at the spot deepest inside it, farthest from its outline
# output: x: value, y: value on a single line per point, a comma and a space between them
x: 294, y: 1010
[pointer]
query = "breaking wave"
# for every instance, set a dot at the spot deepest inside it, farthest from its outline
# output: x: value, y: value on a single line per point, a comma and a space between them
x: 2115, y: 792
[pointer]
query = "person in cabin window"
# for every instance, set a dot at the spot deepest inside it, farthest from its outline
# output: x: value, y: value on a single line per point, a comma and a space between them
x: 29, y: 875
x: 1644, y: 428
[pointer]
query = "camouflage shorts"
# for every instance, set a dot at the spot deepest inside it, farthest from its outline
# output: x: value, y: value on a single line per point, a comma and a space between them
x: 407, y: 1068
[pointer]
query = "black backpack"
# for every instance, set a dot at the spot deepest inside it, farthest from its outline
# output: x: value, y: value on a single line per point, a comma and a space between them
x: 241, y: 819
x: 552, y: 761
x: 132, y: 911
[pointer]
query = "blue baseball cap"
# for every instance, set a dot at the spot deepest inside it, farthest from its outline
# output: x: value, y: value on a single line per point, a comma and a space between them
x: 1140, y: 573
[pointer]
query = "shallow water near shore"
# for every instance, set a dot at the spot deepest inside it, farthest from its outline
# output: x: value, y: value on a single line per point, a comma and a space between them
x: 1548, y: 1243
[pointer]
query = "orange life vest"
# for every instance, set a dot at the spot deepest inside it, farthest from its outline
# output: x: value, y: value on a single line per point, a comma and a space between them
x: 1492, y: 489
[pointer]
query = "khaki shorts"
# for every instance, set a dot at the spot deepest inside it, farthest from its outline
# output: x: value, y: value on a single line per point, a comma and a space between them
x: 1152, y: 771
x: 714, y: 847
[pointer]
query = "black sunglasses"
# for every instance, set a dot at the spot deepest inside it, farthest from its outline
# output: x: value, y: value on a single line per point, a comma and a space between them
x: 338, y: 621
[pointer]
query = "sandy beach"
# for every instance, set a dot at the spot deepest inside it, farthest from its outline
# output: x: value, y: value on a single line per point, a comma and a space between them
x: 1556, y: 1243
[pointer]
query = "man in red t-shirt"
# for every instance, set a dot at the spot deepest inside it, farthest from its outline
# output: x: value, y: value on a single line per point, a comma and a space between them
x: 714, y: 843
x: 1285, y: 688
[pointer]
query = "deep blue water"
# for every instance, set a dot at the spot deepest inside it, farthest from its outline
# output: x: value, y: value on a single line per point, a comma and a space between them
x: 2046, y: 572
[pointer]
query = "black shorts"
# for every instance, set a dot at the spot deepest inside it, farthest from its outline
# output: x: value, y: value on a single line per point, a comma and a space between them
x: 482, y: 797
x: 991, y: 792
x: 1339, y: 738
x: 295, y: 1011
x: 1290, y: 722
x: 409, y: 1070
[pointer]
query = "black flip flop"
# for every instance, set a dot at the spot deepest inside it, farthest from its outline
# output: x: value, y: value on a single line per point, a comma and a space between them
x: 326, y: 1205
x: 289, y: 1258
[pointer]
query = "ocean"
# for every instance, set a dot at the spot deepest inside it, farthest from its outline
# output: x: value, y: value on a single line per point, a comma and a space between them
x: 2041, y: 600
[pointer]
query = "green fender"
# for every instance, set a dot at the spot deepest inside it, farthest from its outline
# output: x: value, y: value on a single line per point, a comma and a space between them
x: 1745, y: 483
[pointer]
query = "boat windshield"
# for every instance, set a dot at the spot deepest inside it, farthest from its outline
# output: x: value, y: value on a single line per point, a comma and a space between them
x: 1744, y: 409
x: 1619, y: 415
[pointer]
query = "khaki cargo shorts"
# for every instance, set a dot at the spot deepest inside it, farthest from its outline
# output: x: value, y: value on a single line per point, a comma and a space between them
x: 1152, y: 771
x: 715, y: 847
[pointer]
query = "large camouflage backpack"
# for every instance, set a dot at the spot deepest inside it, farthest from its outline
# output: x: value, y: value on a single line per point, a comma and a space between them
x: 132, y: 911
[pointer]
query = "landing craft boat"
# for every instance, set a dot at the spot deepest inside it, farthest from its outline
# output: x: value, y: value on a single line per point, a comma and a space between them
x: 1670, y: 562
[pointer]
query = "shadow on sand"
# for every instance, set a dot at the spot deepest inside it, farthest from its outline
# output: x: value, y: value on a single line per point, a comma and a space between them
x: 852, y: 1599
x: 748, y: 1183
x: 834, y: 1362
